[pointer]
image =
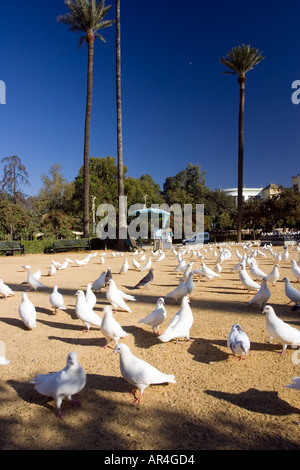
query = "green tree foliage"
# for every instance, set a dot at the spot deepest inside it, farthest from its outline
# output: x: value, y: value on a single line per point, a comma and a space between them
x: 14, y: 220
x: 186, y: 187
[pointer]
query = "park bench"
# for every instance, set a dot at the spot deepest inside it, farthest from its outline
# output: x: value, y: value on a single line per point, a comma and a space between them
x: 71, y: 244
x: 9, y: 247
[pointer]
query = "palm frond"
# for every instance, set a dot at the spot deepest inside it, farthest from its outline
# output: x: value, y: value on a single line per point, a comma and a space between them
x: 242, y: 59
x: 86, y: 16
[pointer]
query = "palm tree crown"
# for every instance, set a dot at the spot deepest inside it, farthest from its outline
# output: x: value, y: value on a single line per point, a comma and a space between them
x: 242, y: 59
x: 86, y: 16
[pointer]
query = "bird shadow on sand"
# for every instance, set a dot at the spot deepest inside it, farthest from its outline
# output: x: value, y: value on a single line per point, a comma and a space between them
x: 208, y: 351
x: 257, y: 401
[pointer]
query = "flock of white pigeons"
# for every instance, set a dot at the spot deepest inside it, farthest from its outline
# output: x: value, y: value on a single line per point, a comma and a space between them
x: 72, y: 379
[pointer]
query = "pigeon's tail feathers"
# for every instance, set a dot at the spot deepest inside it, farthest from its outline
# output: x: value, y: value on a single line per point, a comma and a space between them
x: 164, y: 338
x: 171, y: 379
x: 295, y: 383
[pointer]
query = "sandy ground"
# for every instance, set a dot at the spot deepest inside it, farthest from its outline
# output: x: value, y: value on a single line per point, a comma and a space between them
x: 218, y: 401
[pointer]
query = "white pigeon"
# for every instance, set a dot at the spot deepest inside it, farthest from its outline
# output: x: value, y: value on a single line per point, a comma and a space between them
x: 63, y: 384
x: 136, y: 264
x: 33, y: 282
x: 64, y: 265
x: 85, y: 313
x: 187, y: 271
x: 56, y: 300
x: 37, y: 274
x: 189, y: 284
x: 256, y: 273
x: 52, y: 270
x: 179, y: 292
x: 90, y: 297
x: 27, y: 312
x: 295, y: 270
x: 56, y: 263
x: 161, y: 257
x: 295, y: 383
x: 285, y: 255
x: 262, y: 295
x: 284, y: 333
x: 114, y: 296
x: 26, y: 267
x: 156, y: 317
x: 209, y: 273
x: 110, y: 328
x: 181, y: 323
x: 99, y: 282
x: 181, y: 266
x: 273, y: 276
x: 138, y: 372
x: 238, y: 341
x: 124, y: 267
x: 5, y: 290
x: 291, y: 292
x: 247, y: 281
x: 3, y: 360
x: 81, y: 262
x: 147, y: 265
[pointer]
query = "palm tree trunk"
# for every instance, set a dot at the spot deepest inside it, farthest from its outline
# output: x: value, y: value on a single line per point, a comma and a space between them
x: 241, y: 81
x: 86, y: 158
x: 122, y: 212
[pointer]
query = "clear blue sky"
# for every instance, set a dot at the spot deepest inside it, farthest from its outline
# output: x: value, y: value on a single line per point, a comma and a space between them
x: 178, y: 107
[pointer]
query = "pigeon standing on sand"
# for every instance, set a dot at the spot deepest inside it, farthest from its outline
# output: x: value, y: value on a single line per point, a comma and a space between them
x: 110, y: 328
x: 295, y: 270
x: 85, y: 313
x: 27, y: 312
x: 5, y: 290
x: 90, y: 297
x: 238, y: 341
x: 52, y: 270
x: 62, y: 384
x: 33, y: 282
x: 256, y: 272
x: 209, y: 273
x: 273, y: 276
x: 291, y: 292
x: 145, y: 281
x: 179, y: 292
x: 262, y: 295
x: 189, y: 284
x: 124, y: 267
x: 284, y: 333
x: 108, y: 276
x: 147, y: 265
x: 156, y: 317
x: 138, y: 372
x: 181, y: 323
x: 57, y: 301
x: 136, y: 264
x: 246, y: 280
x: 99, y: 282
x: 114, y: 296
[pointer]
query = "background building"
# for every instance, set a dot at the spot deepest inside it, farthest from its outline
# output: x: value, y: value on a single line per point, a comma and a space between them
x: 296, y: 183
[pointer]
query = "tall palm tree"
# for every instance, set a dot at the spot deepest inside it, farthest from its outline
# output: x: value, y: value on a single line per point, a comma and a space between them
x: 122, y: 212
x: 240, y: 60
x: 87, y: 16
